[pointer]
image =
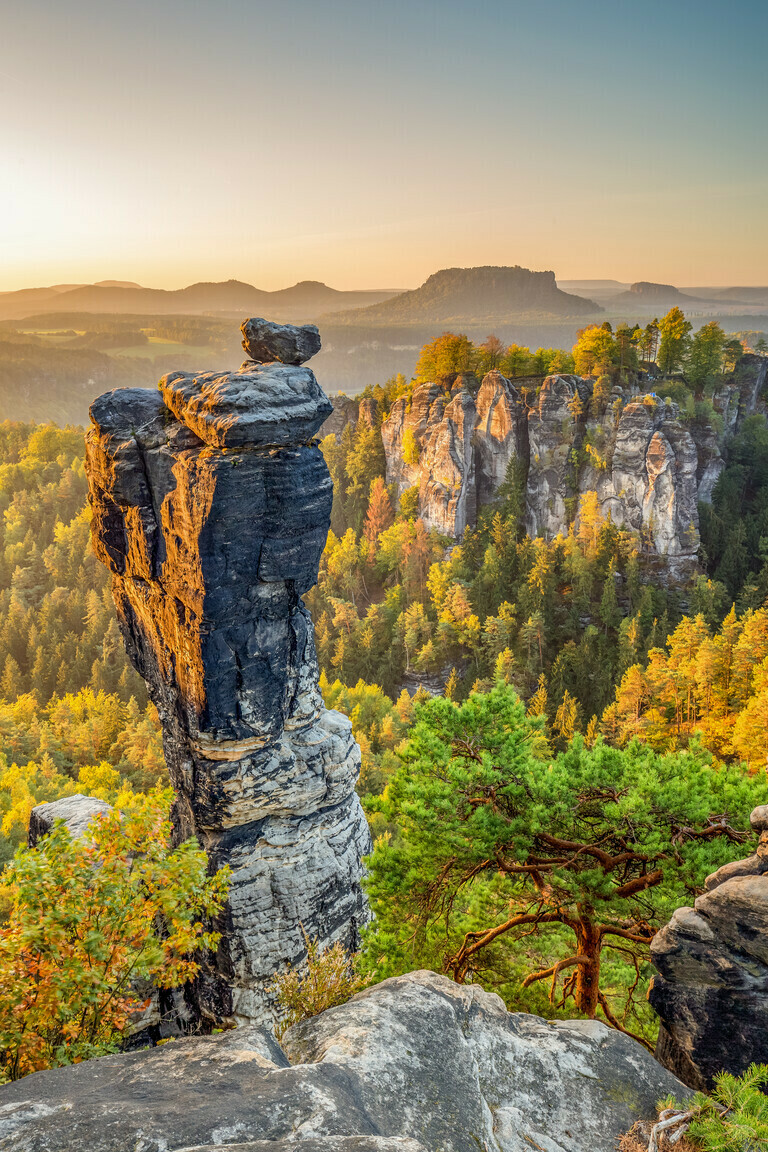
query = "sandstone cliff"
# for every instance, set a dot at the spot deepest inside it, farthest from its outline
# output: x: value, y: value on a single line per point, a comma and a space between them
x: 211, y: 506
x: 648, y: 466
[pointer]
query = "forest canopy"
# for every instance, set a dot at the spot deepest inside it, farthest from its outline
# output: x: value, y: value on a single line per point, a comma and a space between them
x: 581, y: 707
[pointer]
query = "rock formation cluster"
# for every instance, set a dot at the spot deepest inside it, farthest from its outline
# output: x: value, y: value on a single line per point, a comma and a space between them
x: 711, y: 990
x: 414, y: 1064
x: 647, y: 465
x: 211, y: 505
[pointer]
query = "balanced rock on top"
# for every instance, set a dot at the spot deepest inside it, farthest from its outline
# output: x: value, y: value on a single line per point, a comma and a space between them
x: 266, y: 342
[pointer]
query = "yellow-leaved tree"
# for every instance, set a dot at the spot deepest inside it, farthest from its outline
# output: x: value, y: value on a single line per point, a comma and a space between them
x: 88, y: 917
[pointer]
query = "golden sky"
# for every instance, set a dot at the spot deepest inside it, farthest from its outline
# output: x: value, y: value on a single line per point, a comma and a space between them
x: 368, y: 144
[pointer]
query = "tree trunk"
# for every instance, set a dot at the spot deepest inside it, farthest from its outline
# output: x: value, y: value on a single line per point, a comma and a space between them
x: 588, y: 975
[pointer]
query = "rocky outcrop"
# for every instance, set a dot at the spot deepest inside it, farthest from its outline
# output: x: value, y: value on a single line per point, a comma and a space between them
x: 556, y: 426
x: 454, y: 445
x: 415, y: 1064
x: 711, y: 990
x: 636, y: 454
x: 499, y: 434
x: 344, y: 411
x: 647, y: 479
x: 742, y: 395
x: 211, y: 506
x: 76, y: 812
x: 649, y: 466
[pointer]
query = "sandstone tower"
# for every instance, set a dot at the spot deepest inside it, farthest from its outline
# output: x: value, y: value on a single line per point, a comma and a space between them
x: 211, y: 505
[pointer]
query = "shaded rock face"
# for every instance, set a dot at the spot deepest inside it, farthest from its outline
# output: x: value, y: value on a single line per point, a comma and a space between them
x: 345, y: 411
x: 211, y: 510
x: 711, y: 990
x: 76, y: 812
x: 414, y: 1064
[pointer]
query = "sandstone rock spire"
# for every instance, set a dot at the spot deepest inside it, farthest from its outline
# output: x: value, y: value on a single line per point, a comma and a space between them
x: 211, y: 506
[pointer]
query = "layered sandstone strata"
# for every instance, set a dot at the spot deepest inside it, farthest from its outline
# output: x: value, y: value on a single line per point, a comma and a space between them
x: 211, y: 505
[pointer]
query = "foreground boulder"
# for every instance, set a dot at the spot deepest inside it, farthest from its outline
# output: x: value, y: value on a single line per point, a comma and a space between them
x: 415, y: 1064
x: 211, y: 506
x: 711, y: 990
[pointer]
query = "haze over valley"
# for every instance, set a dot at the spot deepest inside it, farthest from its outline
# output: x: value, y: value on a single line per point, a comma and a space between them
x: 57, y: 342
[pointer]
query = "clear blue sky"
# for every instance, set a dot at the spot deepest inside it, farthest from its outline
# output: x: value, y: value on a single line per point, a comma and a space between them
x: 369, y: 142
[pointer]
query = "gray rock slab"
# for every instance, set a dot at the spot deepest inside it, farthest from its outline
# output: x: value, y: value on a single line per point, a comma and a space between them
x: 415, y: 1063
x: 77, y: 812
x: 321, y: 1144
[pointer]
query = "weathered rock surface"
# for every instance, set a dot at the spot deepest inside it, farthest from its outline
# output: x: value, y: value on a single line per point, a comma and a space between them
x: 264, y: 341
x: 711, y: 990
x: 416, y: 1064
x: 76, y: 812
x: 562, y: 454
x: 638, y: 456
x: 741, y: 396
x: 261, y: 405
x: 211, y: 511
x: 345, y: 411
x: 463, y: 447
x: 648, y: 466
x: 499, y: 434
x: 555, y: 434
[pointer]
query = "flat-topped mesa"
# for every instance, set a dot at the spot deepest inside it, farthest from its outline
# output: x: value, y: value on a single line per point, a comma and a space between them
x: 211, y: 505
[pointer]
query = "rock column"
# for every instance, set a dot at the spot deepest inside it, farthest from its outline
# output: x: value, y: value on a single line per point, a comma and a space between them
x: 211, y: 505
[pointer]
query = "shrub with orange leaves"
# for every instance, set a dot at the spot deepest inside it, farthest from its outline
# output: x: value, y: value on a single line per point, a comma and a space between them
x: 87, y: 918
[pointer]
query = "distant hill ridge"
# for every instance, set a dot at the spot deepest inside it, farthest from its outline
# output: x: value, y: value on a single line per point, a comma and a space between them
x: 464, y: 295
x: 649, y: 292
x: 303, y: 301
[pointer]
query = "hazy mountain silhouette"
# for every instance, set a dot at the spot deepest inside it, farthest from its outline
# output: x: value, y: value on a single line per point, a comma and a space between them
x: 663, y: 295
x: 480, y: 295
x: 304, y: 301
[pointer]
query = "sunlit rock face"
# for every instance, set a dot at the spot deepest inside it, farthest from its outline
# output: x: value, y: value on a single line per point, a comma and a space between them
x: 648, y: 467
x: 211, y: 507
x: 500, y: 433
x: 462, y: 444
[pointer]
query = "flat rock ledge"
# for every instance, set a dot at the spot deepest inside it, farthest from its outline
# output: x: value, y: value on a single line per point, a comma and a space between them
x: 415, y: 1064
